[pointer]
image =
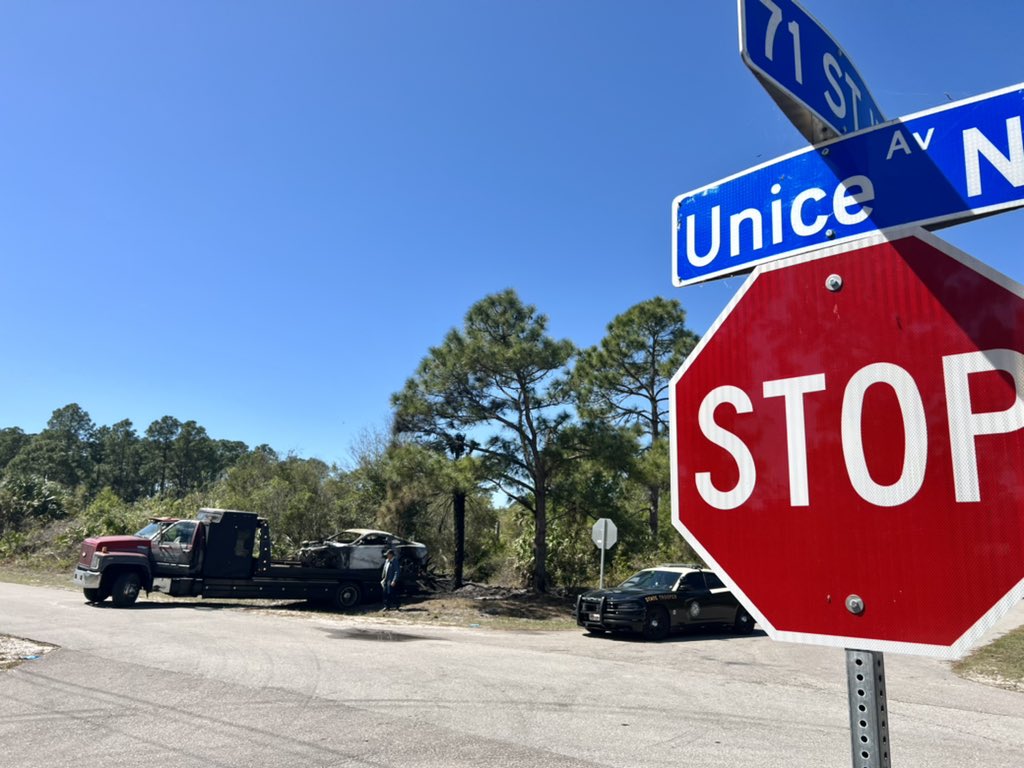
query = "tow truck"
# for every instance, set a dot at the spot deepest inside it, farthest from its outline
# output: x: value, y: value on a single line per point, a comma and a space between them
x: 222, y: 553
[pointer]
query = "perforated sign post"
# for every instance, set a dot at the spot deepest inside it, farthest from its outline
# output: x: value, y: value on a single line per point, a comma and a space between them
x: 848, y: 451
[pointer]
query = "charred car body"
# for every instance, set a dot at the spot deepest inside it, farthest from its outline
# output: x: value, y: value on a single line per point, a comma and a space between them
x: 656, y: 601
x: 220, y: 554
x: 361, y: 550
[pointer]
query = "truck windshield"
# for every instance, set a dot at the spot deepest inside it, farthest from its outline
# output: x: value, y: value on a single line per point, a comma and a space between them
x: 151, y: 530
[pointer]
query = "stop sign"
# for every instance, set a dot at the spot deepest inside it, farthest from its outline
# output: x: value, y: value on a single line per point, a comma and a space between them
x: 848, y: 446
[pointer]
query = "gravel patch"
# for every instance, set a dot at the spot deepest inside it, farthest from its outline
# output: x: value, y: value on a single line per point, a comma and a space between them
x: 15, y: 650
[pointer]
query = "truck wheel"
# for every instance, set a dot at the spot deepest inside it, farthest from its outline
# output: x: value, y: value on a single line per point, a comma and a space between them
x: 656, y: 623
x: 95, y: 595
x: 347, y: 596
x: 126, y: 590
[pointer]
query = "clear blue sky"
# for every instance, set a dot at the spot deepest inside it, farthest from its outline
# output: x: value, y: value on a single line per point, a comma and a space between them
x: 261, y: 215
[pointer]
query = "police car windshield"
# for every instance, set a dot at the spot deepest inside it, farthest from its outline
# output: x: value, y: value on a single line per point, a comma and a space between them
x: 650, y: 580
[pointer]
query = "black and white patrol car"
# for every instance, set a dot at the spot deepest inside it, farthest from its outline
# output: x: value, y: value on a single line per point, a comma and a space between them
x: 656, y: 601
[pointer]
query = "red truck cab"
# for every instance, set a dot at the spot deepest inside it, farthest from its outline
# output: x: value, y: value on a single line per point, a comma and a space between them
x: 120, y: 567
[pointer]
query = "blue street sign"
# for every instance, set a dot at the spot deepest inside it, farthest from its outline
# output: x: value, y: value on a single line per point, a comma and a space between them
x: 932, y: 169
x: 803, y: 68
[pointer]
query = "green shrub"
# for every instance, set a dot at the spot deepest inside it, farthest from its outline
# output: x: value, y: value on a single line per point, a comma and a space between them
x: 105, y: 515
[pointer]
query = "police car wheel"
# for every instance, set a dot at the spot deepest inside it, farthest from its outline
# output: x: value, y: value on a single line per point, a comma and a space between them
x: 656, y: 623
x: 744, y: 623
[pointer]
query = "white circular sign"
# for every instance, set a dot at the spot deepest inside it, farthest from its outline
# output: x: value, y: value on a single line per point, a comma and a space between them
x: 605, y: 534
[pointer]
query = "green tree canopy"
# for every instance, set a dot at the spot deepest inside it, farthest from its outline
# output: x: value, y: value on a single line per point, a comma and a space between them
x: 497, y: 377
x: 64, y: 452
x: 121, y: 453
x: 12, y: 440
x: 626, y: 377
x: 160, y: 437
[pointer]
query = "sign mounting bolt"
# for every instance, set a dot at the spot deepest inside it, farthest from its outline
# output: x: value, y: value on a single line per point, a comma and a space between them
x: 834, y: 283
x: 855, y: 605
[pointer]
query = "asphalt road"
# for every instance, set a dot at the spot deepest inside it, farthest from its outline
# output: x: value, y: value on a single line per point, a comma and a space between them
x: 212, y: 684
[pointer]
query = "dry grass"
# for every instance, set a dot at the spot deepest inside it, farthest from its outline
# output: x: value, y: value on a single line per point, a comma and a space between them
x: 36, y: 577
x: 1000, y: 663
x: 494, y: 609
x: 477, y: 607
x: 473, y: 606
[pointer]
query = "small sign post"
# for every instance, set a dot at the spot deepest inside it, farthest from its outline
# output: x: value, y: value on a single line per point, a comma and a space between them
x: 604, y: 534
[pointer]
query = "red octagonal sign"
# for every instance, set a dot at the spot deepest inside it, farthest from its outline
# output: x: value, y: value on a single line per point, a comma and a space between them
x: 848, y: 447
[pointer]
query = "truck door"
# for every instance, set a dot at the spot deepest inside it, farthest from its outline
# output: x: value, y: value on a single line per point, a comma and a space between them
x: 173, y: 548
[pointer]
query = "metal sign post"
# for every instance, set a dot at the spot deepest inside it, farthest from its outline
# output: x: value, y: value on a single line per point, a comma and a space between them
x: 604, y: 534
x: 869, y: 715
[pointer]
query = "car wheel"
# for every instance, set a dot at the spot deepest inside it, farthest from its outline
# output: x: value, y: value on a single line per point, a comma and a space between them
x: 744, y: 623
x: 656, y: 624
x: 126, y: 590
x: 95, y: 595
x: 347, y: 596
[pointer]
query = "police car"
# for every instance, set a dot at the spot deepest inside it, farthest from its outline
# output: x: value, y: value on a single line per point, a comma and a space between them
x: 656, y: 601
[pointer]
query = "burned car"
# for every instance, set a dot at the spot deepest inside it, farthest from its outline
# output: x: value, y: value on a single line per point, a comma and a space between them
x: 362, y: 550
x: 657, y: 601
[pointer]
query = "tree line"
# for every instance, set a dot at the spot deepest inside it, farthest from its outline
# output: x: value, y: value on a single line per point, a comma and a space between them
x: 505, y: 445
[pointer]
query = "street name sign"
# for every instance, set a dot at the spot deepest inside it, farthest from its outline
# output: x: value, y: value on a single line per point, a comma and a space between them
x: 935, y: 168
x: 847, y: 446
x: 804, y: 70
